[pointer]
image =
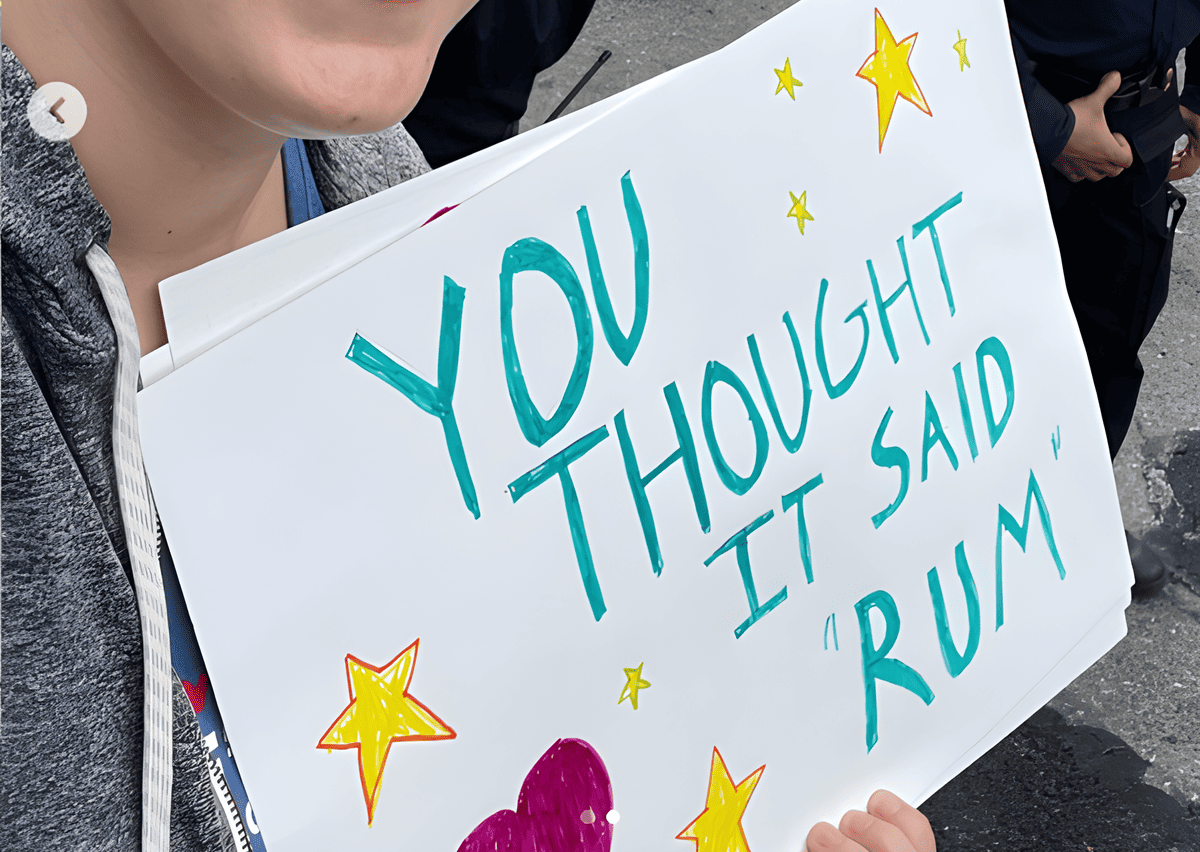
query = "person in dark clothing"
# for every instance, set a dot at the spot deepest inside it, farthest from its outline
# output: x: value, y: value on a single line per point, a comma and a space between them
x: 1097, y: 80
x: 480, y: 84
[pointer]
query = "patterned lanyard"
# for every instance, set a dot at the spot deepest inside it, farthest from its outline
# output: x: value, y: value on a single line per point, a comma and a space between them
x: 140, y: 522
x: 140, y: 519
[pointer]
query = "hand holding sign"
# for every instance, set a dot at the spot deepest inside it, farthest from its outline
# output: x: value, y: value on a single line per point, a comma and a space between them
x: 889, y: 825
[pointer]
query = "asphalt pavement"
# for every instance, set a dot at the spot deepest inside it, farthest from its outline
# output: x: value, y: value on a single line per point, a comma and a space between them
x: 1113, y: 762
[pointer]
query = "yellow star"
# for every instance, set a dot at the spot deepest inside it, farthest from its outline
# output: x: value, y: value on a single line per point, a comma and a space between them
x: 786, y: 80
x: 961, y: 47
x: 799, y: 211
x: 381, y: 712
x: 633, y: 682
x: 887, y: 69
x: 719, y: 826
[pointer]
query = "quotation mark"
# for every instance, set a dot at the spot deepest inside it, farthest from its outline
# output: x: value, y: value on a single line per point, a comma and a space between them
x: 831, y: 620
x: 1056, y: 440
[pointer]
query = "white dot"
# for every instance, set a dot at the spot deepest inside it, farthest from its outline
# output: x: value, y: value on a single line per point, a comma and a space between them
x: 613, y: 817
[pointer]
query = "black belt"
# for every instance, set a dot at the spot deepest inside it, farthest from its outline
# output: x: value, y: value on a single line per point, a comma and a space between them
x: 1134, y: 93
x: 1136, y: 90
x: 1067, y: 82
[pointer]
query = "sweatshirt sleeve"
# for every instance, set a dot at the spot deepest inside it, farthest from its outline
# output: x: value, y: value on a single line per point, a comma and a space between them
x: 1050, y: 120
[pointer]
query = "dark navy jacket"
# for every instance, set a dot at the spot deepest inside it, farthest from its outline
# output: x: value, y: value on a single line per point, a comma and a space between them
x: 1095, y: 36
x: 481, y: 80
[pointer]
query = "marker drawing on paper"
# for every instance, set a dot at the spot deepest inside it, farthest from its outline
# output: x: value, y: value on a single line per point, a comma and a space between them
x: 566, y: 802
x: 887, y: 69
x: 718, y: 828
x: 960, y: 47
x: 799, y: 209
x: 787, y: 83
x: 633, y: 684
x: 381, y: 712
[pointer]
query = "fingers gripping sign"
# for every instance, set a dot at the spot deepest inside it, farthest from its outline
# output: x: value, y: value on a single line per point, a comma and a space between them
x: 891, y: 825
x: 1093, y: 152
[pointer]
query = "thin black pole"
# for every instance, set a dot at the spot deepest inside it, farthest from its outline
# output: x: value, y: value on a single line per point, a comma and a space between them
x: 571, y: 94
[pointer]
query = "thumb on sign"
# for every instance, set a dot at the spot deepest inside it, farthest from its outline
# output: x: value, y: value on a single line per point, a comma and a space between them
x: 1093, y: 152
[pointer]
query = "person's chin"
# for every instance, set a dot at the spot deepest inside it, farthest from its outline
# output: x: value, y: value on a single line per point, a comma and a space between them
x: 330, y: 124
x: 349, y: 109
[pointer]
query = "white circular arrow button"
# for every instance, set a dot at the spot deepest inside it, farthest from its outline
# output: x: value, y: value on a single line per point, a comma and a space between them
x: 57, y: 111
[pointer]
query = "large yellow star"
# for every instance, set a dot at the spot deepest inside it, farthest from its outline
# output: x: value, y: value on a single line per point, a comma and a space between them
x: 961, y: 47
x: 786, y: 80
x: 887, y: 69
x: 633, y: 682
x: 381, y: 712
x: 799, y: 209
x: 719, y: 826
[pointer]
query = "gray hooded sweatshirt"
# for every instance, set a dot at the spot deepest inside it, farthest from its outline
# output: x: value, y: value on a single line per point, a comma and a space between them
x: 71, y: 710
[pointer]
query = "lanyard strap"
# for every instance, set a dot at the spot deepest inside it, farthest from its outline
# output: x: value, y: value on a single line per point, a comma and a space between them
x: 141, y: 536
x: 300, y: 188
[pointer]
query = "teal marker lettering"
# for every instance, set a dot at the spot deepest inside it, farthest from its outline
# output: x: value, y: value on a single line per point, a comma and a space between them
x: 439, y: 400
x: 965, y: 410
x: 740, y: 542
x: 994, y: 349
x: 889, y: 457
x: 622, y: 346
x: 718, y: 372
x: 934, y: 435
x: 1019, y: 532
x: 831, y: 620
x: 796, y: 498
x: 791, y: 444
x: 882, y: 304
x: 559, y: 465
x: 956, y: 662
x: 877, y: 665
x: 836, y: 390
x: 927, y: 222
x: 684, y: 453
x: 529, y: 255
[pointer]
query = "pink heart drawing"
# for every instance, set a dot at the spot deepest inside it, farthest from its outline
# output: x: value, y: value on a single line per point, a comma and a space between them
x: 563, y: 807
x: 197, y: 693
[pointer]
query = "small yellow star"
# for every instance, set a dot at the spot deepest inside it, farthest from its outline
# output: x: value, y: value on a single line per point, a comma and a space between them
x: 633, y: 682
x: 888, y: 71
x: 961, y: 47
x: 786, y: 80
x: 381, y: 712
x: 799, y: 211
x: 719, y: 826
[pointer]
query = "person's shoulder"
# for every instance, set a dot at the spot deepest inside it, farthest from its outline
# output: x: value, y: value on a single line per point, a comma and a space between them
x: 350, y: 168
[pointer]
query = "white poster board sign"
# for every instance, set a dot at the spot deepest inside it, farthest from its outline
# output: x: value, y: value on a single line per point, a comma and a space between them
x: 733, y: 457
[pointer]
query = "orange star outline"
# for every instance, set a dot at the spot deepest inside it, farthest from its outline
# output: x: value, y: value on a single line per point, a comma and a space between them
x: 371, y: 792
x: 729, y: 805
x: 892, y: 50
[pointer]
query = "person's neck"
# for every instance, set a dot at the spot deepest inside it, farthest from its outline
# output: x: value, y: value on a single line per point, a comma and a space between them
x: 183, y: 178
